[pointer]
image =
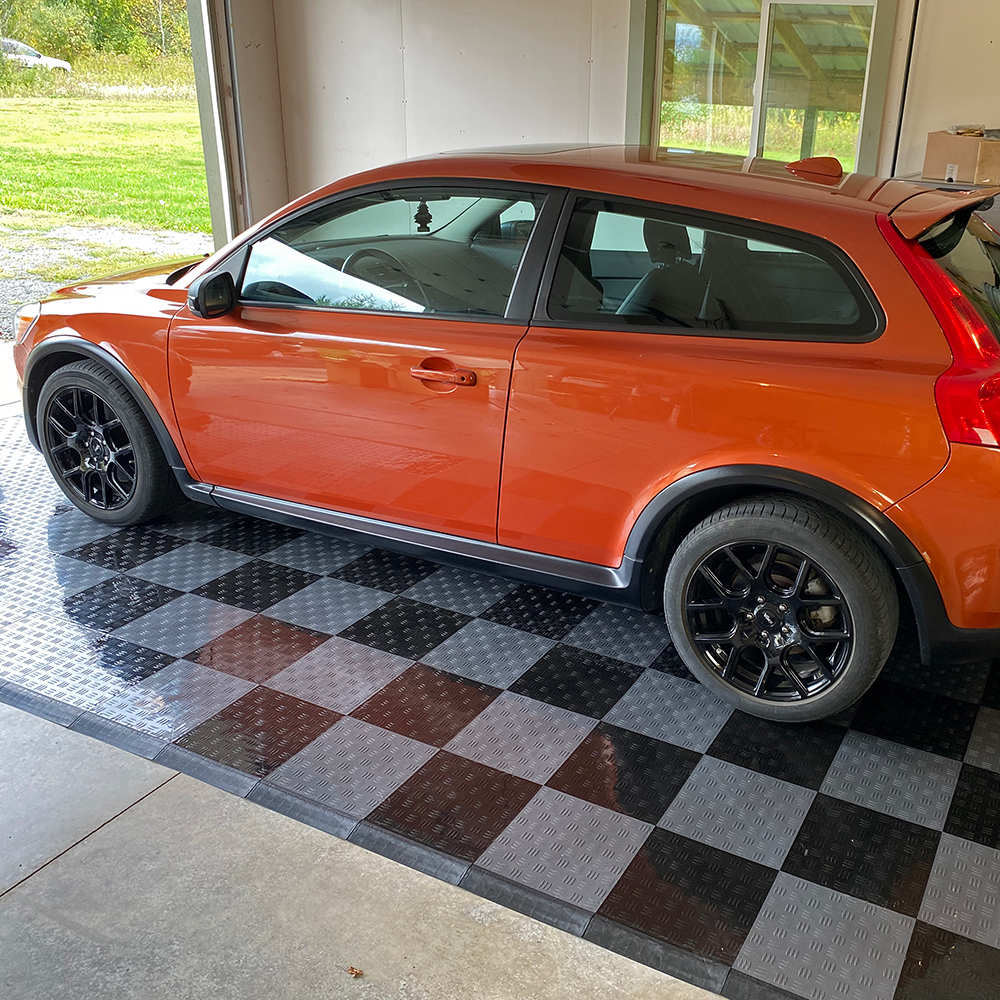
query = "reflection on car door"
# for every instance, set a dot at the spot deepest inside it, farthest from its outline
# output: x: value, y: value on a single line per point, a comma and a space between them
x: 366, y: 367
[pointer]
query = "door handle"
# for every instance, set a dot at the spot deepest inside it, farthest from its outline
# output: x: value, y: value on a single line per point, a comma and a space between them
x: 455, y: 376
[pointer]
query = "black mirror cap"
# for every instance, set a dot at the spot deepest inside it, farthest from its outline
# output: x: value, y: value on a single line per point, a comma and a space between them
x: 212, y: 295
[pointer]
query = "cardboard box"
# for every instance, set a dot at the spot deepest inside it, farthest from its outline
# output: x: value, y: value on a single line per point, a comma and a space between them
x: 964, y: 159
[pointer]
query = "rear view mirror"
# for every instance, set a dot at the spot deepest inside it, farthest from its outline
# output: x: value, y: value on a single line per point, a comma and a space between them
x: 213, y: 295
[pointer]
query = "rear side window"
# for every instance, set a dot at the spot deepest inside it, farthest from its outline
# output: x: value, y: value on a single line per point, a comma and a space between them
x: 623, y: 264
x: 969, y: 250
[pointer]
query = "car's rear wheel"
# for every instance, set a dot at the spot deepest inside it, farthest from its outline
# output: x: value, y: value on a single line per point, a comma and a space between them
x: 100, y: 448
x: 781, y: 607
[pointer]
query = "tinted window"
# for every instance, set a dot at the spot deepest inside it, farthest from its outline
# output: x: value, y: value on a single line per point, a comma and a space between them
x: 622, y: 264
x: 436, y: 250
x: 969, y: 250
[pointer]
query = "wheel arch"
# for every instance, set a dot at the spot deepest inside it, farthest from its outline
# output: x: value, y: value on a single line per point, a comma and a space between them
x: 680, y: 506
x: 57, y: 352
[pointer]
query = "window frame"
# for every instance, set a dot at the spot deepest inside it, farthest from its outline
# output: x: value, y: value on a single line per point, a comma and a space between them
x: 527, y: 277
x: 818, y: 247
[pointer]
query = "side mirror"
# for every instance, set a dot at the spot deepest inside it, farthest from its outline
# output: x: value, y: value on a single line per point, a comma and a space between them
x: 212, y: 295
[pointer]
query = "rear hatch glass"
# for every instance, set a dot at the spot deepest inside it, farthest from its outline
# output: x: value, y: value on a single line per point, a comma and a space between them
x: 969, y: 250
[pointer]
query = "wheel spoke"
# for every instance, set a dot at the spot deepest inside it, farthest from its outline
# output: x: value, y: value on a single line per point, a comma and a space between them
x: 715, y: 582
x: 792, y: 675
x: 745, y: 569
x: 764, y: 572
x: 824, y: 667
x: 765, y: 675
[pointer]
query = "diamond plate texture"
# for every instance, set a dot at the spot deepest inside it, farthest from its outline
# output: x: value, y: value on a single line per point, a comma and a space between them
x: 963, y: 891
x: 189, y: 566
x: 126, y: 549
x: 459, y: 590
x: 941, y: 964
x: 890, y: 778
x: 670, y: 709
x: 818, y: 943
x: 752, y: 815
x: 253, y: 537
x: 539, y: 610
x: 353, y: 767
x: 385, y: 571
x: 192, y: 520
x: 183, y: 625
x: 316, y: 553
x: 975, y: 807
x: 984, y: 746
x: 328, y: 605
x: 489, y: 653
x: 525, y: 737
x: 622, y: 633
x: 406, y: 628
x: 966, y: 682
x: 175, y: 700
x: 566, y: 848
x: 116, y: 602
x: 339, y: 674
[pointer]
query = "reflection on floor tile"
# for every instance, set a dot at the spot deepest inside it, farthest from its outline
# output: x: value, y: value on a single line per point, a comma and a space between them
x: 328, y: 605
x: 941, y: 964
x: 182, y: 625
x: 621, y: 633
x: 189, y: 566
x: 460, y: 590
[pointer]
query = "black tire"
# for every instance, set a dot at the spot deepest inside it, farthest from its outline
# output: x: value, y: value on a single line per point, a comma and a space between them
x: 100, y: 448
x: 809, y: 603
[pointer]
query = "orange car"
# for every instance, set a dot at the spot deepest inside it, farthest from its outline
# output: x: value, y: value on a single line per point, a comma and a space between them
x: 765, y: 401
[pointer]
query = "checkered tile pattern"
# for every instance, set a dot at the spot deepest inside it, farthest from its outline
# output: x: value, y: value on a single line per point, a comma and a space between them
x: 544, y: 750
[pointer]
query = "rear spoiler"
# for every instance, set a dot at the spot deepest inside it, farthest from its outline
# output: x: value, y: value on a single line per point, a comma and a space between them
x: 918, y: 213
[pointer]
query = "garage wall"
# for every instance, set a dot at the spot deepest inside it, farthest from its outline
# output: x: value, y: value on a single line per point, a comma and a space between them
x: 952, y: 76
x: 365, y: 83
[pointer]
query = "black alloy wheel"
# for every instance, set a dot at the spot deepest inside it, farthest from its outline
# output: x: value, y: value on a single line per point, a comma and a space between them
x: 769, y: 620
x: 91, y: 451
x: 781, y: 607
x: 100, y: 447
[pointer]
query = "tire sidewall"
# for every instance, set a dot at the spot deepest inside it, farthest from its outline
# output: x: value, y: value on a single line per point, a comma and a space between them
x: 137, y: 428
x: 866, y: 648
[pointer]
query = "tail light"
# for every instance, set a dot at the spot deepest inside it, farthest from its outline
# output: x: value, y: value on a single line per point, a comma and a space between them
x: 968, y: 393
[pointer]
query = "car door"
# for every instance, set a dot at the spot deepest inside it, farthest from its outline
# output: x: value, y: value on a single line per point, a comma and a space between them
x: 366, y: 365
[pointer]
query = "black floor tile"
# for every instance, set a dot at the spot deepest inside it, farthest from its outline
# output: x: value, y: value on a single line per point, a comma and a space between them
x: 117, y: 601
x: 931, y: 722
x: 975, y: 807
x: 940, y: 965
x: 577, y: 680
x: 742, y: 987
x: 626, y: 772
x: 991, y: 695
x: 454, y: 805
x: 259, y: 731
x: 801, y: 753
x: 124, y: 550
x: 250, y: 536
x: 256, y: 585
x: 389, y: 571
x: 965, y: 682
x: 865, y: 854
x: 669, y: 662
x: 127, y: 661
x: 691, y: 895
x: 550, y: 613
x: 406, y: 628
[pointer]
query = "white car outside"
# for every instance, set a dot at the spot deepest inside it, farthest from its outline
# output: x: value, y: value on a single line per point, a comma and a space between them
x: 27, y: 56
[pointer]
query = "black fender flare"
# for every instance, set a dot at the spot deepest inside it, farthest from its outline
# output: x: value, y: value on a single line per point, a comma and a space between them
x: 940, y: 640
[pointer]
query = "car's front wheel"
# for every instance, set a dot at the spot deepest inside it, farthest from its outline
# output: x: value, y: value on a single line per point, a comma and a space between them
x: 781, y: 607
x: 100, y: 448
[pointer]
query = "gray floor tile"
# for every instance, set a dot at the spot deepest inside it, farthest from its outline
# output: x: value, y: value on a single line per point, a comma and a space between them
x: 963, y: 892
x: 893, y: 779
x: 353, y: 767
x: 625, y: 634
x: 189, y: 566
x: 42, y: 583
x: 489, y: 653
x: 339, y: 674
x: 174, y: 700
x: 328, y: 605
x: 522, y: 736
x: 670, y: 709
x: 459, y: 590
x: 316, y: 553
x: 752, y: 815
x: 818, y: 943
x: 59, y: 659
x: 984, y: 747
x: 72, y: 529
x: 567, y: 848
x: 182, y: 625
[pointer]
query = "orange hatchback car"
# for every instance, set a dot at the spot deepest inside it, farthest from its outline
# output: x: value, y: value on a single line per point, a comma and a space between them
x: 763, y: 401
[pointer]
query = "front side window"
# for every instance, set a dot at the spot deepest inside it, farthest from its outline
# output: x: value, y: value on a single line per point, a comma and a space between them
x: 631, y: 265
x: 450, y: 250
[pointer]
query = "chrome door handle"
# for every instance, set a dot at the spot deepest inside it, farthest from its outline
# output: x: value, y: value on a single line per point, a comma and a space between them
x: 456, y: 376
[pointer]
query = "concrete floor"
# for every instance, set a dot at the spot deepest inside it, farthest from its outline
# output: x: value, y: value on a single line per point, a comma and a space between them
x: 121, y: 878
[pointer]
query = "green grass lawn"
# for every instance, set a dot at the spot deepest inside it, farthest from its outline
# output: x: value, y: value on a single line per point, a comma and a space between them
x: 135, y: 161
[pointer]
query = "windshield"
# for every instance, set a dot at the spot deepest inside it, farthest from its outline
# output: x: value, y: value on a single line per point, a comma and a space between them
x: 969, y: 250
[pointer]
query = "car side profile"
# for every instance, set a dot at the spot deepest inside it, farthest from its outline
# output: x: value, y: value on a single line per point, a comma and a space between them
x: 24, y: 55
x: 763, y: 401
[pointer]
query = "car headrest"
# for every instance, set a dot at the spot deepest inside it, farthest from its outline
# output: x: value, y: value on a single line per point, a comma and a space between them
x: 666, y: 241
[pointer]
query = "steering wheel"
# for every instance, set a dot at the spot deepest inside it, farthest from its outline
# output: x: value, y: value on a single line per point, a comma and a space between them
x: 386, y: 258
